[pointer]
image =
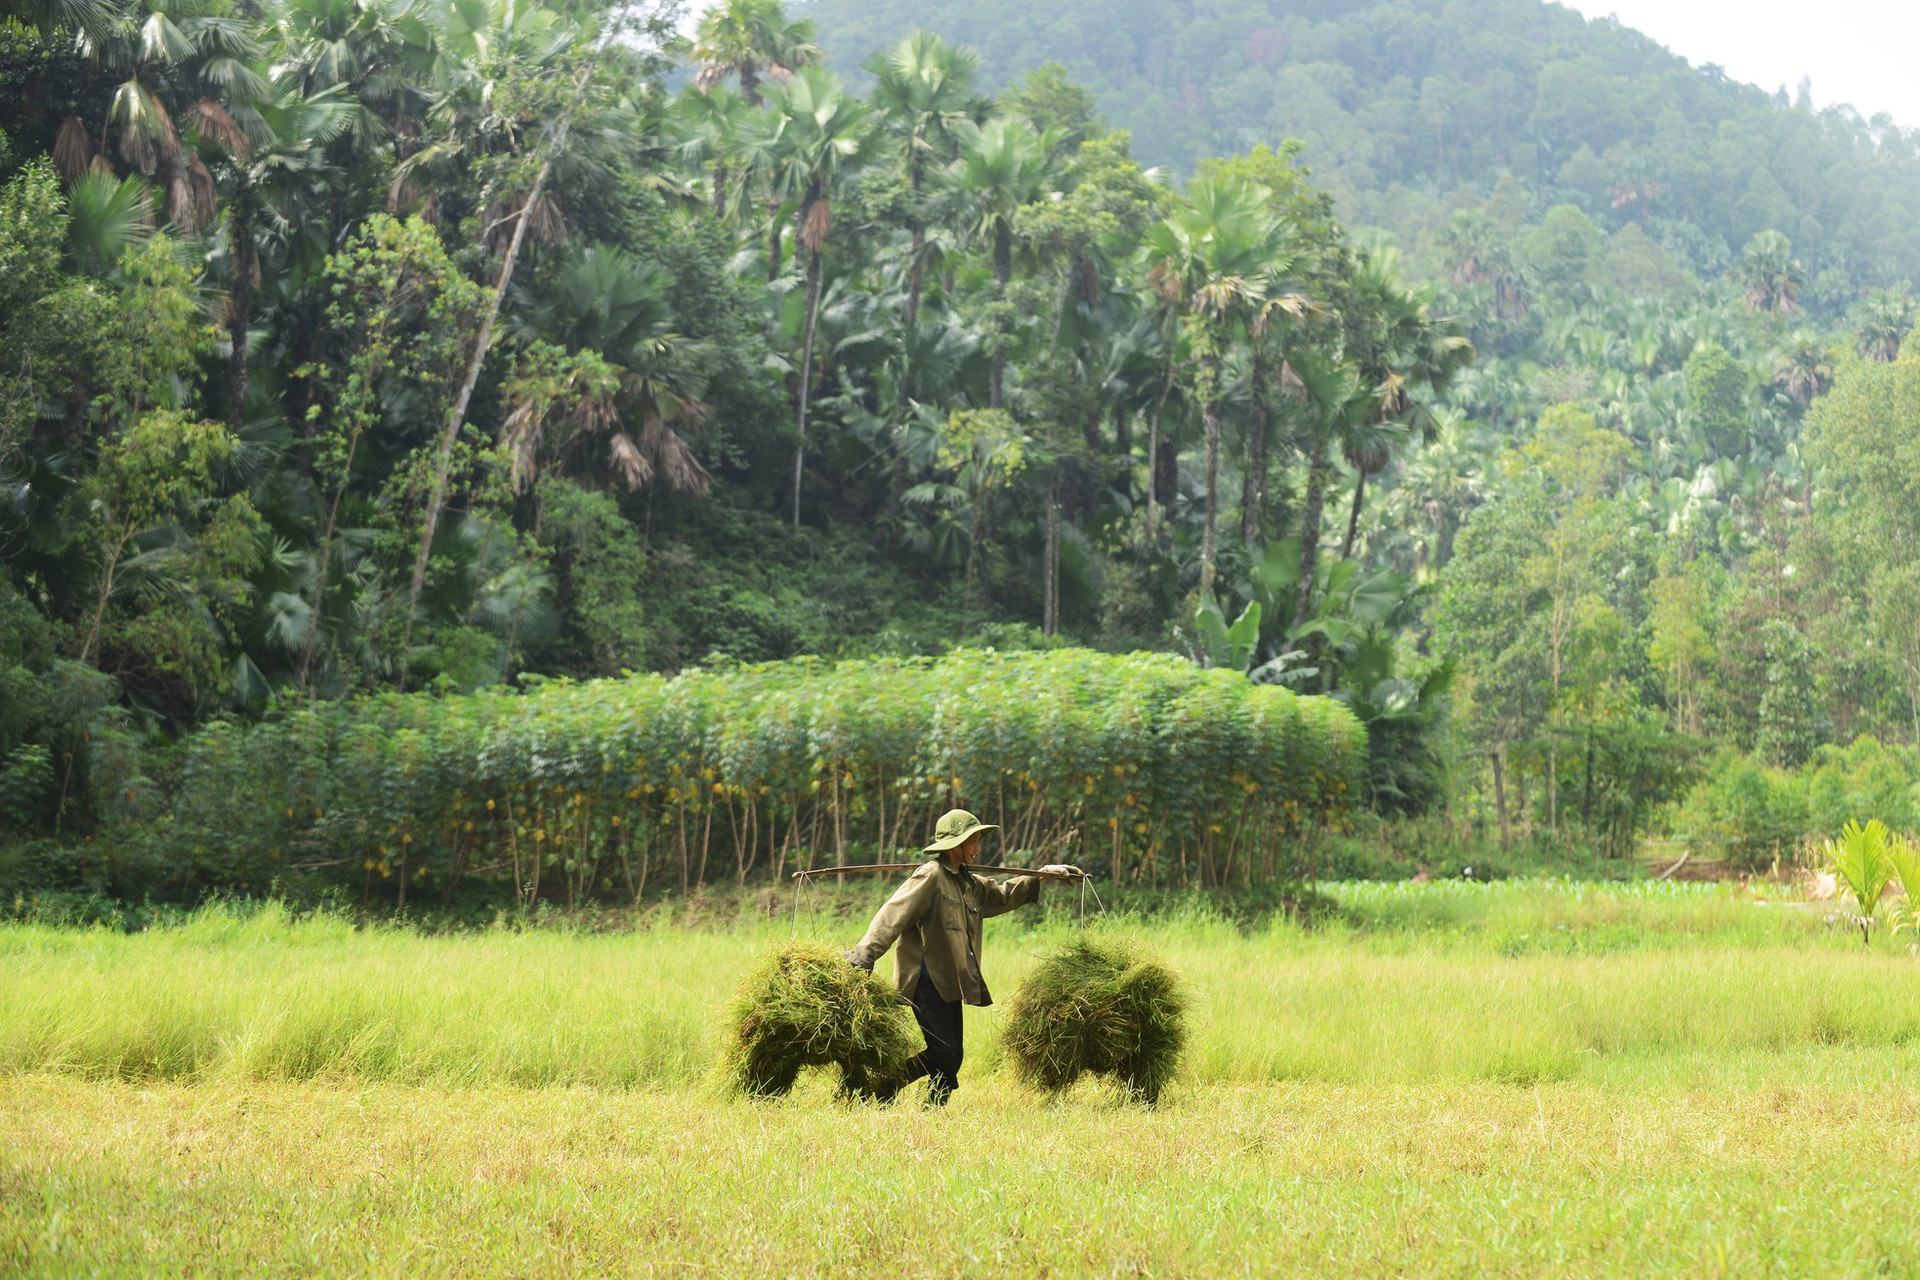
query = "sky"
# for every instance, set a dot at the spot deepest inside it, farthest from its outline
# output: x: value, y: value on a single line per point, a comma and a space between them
x: 1856, y: 51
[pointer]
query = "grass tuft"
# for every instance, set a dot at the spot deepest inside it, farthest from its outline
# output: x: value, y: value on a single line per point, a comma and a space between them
x: 1098, y: 1005
x: 804, y: 1006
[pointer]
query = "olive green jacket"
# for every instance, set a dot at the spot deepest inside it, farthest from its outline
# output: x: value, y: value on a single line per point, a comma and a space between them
x: 935, y: 917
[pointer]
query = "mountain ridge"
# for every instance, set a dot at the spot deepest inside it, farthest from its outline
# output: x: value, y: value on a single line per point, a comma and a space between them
x: 1412, y: 109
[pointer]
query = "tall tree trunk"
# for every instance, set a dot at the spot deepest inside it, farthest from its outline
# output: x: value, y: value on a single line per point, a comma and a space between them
x: 1002, y: 276
x: 915, y: 270
x: 318, y: 602
x: 1500, y: 792
x: 109, y: 566
x: 457, y: 416
x: 976, y: 595
x: 721, y: 177
x: 1353, y: 516
x: 1210, y: 423
x: 1166, y: 474
x: 246, y: 263
x: 1153, y: 451
x: 806, y: 375
x: 1253, y: 493
x: 916, y: 177
x: 1553, y: 780
x: 1586, y: 797
x: 1310, y: 529
x: 1050, y: 570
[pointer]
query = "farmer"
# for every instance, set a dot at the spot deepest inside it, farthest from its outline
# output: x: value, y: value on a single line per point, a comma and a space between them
x: 935, y: 916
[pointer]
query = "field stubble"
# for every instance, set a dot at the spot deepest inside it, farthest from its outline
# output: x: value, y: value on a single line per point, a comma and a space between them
x: 1515, y: 984
x: 1447, y: 1080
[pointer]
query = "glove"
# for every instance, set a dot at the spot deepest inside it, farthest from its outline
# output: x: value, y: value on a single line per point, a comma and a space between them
x: 854, y: 959
x: 1063, y: 869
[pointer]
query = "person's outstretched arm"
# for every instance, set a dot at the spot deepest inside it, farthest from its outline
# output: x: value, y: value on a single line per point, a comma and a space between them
x: 1002, y: 896
x: 908, y: 903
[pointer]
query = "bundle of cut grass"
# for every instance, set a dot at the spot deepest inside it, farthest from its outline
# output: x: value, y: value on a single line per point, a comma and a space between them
x: 805, y: 1006
x: 1099, y: 1005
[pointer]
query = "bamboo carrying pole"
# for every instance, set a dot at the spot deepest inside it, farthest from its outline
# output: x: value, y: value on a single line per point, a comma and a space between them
x: 915, y: 866
x: 803, y: 878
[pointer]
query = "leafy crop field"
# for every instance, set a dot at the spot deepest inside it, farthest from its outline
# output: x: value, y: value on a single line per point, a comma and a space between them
x: 1452, y: 1079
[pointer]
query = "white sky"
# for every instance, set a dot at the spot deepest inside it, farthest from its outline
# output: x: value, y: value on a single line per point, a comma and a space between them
x: 1863, y: 52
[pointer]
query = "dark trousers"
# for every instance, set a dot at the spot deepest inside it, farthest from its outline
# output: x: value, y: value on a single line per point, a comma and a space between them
x: 940, y: 1023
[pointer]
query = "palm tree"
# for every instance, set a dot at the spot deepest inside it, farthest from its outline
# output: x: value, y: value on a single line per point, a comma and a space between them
x: 1803, y: 370
x: 923, y: 88
x: 714, y: 128
x: 187, y: 74
x: 268, y: 187
x: 1443, y: 482
x: 1002, y: 166
x: 536, y: 49
x: 50, y: 18
x: 1771, y: 274
x: 106, y: 217
x: 751, y: 40
x: 1478, y: 252
x: 376, y: 53
x: 608, y: 302
x: 1404, y: 353
x: 1334, y: 401
x: 1884, y: 320
x: 1219, y: 260
x: 818, y: 134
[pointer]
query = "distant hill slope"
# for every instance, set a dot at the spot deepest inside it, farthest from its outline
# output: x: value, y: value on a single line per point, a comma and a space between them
x: 1405, y: 102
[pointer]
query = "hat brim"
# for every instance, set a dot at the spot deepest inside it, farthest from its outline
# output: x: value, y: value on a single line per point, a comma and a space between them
x: 954, y: 842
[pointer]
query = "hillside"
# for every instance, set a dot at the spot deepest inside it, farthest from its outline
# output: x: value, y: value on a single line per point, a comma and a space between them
x: 1403, y: 103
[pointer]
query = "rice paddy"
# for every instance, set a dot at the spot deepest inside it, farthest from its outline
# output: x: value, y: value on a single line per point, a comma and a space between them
x: 1445, y: 1080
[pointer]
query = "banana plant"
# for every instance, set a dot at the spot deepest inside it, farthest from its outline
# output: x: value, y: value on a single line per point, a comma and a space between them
x: 1230, y: 647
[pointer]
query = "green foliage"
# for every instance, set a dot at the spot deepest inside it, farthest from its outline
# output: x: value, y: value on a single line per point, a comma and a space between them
x: 604, y: 566
x: 1564, y: 248
x: 803, y: 1006
x: 1401, y: 104
x: 1231, y: 648
x: 1903, y: 859
x: 781, y: 370
x: 1717, y: 387
x: 1751, y: 815
x: 1166, y: 772
x: 1859, y: 859
x: 1053, y: 104
x: 1099, y: 1005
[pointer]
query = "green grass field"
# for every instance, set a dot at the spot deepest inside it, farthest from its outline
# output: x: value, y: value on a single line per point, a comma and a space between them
x: 1451, y: 1079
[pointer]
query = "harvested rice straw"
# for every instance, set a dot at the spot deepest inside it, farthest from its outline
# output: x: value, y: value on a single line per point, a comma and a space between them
x: 1098, y: 1005
x: 804, y: 1006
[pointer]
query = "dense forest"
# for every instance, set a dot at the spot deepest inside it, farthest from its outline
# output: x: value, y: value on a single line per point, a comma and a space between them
x: 434, y: 347
x: 1413, y: 109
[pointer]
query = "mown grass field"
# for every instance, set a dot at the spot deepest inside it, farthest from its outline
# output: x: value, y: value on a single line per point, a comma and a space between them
x: 1521, y: 1079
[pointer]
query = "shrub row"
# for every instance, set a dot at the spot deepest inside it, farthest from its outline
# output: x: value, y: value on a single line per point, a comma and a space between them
x: 1146, y: 766
x: 1751, y: 814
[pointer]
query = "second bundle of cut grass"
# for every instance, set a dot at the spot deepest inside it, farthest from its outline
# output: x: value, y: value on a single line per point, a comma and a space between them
x: 1099, y: 1005
x: 805, y: 1006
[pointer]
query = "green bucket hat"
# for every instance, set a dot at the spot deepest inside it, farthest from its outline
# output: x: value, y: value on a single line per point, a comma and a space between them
x: 954, y: 830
